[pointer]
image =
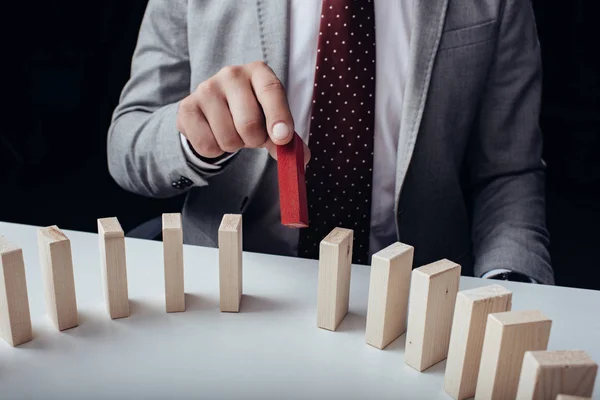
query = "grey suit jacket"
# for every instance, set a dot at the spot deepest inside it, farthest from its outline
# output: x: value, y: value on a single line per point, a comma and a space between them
x: 470, y: 177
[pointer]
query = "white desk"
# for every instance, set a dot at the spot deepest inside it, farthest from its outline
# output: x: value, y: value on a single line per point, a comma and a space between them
x: 272, y: 349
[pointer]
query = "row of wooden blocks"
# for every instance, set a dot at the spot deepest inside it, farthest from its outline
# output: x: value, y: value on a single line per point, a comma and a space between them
x: 492, y: 352
x: 59, y: 284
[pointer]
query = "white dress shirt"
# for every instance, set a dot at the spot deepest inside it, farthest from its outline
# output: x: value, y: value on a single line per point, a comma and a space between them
x: 393, y: 23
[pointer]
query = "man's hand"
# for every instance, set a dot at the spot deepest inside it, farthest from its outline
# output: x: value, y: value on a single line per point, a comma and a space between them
x: 239, y: 107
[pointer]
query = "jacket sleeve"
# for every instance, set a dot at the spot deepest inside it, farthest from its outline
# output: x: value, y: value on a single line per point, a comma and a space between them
x: 505, y: 158
x: 145, y: 153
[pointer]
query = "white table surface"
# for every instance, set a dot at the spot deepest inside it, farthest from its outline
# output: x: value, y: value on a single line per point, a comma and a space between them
x: 272, y: 349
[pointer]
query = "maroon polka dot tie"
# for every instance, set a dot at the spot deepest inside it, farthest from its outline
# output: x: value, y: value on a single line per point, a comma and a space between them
x: 340, y: 173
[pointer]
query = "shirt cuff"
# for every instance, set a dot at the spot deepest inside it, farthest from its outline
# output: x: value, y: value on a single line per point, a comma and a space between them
x: 497, y: 271
x: 202, y: 166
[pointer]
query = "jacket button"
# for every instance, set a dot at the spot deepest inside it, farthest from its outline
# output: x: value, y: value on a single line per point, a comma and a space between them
x: 185, y: 181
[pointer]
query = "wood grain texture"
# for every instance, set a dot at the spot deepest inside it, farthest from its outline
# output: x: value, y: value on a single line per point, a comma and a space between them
x: 230, y: 262
x: 546, y: 374
x: 292, y: 183
x: 508, y: 335
x: 431, y: 308
x: 333, y: 295
x: 466, y: 339
x: 388, y: 294
x: 57, y: 272
x: 172, y: 233
x: 15, y: 319
x: 114, y: 267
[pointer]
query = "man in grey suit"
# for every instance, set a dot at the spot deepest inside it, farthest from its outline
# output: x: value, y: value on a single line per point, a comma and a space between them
x: 423, y: 130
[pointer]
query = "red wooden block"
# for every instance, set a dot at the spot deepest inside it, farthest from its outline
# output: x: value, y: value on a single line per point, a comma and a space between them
x: 292, y: 184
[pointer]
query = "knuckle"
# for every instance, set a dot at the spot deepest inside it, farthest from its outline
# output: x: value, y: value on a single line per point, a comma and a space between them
x: 187, y: 105
x: 254, y: 132
x: 197, y: 143
x: 209, y: 149
x: 231, y: 144
x: 272, y: 85
x: 203, y: 145
x: 208, y: 88
x: 258, y: 65
x: 231, y: 72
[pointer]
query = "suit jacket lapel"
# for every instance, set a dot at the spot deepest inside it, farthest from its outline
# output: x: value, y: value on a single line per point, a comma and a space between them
x: 274, y: 30
x: 427, y: 29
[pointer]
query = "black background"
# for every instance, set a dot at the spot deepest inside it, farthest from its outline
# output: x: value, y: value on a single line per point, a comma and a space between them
x: 66, y: 63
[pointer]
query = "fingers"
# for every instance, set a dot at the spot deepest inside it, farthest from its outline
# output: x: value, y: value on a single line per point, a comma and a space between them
x: 192, y: 124
x: 270, y: 93
x: 248, y: 119
x: 217, y: 113
x: 240, y: 106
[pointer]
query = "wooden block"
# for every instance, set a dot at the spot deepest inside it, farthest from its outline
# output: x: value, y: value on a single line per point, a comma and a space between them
x: 15, y: 320
x: 388, y: 294
x: 431, y: 307
x: 292, y: 184
x: 230, y: 262
x: 172, y: 234
x: 57, y: 271
x: 508, y: 335
x: 333, y: 295
x: 546, y: 374
x: 569, y: 397
x: 114, y: 267
x: 466, y: 340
